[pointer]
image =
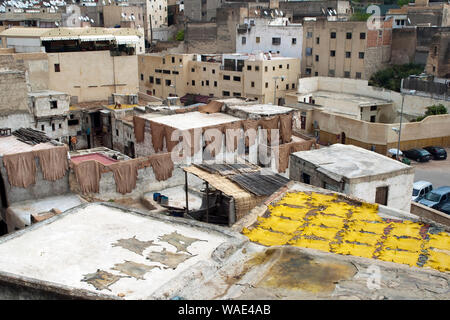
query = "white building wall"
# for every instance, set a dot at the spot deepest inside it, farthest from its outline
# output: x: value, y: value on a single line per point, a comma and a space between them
x: 266, y: 32
x: 399, y: 192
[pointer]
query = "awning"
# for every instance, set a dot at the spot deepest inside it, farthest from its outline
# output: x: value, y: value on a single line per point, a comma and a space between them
x: 126, y: 39
x: 97, y: 38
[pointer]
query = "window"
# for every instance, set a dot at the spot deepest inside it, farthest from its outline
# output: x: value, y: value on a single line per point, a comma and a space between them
x: 309, y: 51
x: 249, y: 68
x: 42, y: 127
x: 53, y: 104
x: 213, y: 71
x: 265, y: 68
x: 276, y: 41
x: 158, y: 81
x: 207, y: 83
x: 358, y: 75
x: 73, y: 122
x: 309, y: 34
x: 142, y: 77
x: 294, y: 41
x: 258, y: 39
x: 333, y: 53
x: 204, y: 68
x: 361, y: 55
x: 236, y: 94
x: 175, y: 72
x: 293, y: 86
x: 226, y: 93
x: 308, y: 71
x: 287, y: 86
x: 331, y: 73
x: 317, y: 57
x: 316, y: 74
x: 317, y: 40
x: 117, y: 132
x: 253, y: 84
x: 333, y: 35
x: 168, y: 82
x: 362, y: 35
x: 203, y: 83
x: 53, y: 127
x: 173, y: 59
x: 244, y: 40
x: 166, y: 71
x: 348, y: 54
x: 164, y: 60
x: 373, y: 108
x: 346, y: 74
x: 348, y: 35
x: 256, y: 68
x: 273, y: 68
x: 267, y: 84
x: 215, y: 83
x: 280, y: 66
x: 158, y: 70
x: 381, y: 195
x: 57, y: 68
x: 193, y: 82
x: 60, y: 126
x: 226, y: 77
x: 192, y: 70
x: 380, y: 33
x: 150, y: 79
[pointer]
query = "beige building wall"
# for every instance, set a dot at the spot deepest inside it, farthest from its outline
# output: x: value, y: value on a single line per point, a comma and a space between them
x: 112, y: 15
x: 207, y: 78
x: 93, y: 75
x: 354, y: 52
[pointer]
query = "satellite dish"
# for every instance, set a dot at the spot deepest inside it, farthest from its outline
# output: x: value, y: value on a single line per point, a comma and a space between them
x: 56, y: 24
x: 409, y: 21
x: 256, y: 12
x: 334, y: 10
x: 265, y: 12
x: 281, y: 12
x: 92, y: 20
x: 276, y: 11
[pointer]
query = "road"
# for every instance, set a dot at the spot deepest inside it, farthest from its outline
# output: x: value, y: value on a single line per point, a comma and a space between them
x: 435, y: 171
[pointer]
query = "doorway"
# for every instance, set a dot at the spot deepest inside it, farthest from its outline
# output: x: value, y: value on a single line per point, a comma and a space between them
x: 381, y: 195
x: 343, y: 138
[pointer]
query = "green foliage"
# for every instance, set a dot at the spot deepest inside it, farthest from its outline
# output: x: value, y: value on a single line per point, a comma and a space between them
x: 391, y: 78
x: 401, y: 3
x: 432, y: 111
x: 180, y: 36
x: 360, y: 16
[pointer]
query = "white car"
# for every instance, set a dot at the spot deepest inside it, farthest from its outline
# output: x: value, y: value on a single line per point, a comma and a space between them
x: 420, y: 189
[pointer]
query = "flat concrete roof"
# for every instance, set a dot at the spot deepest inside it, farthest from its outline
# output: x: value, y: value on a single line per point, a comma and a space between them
x: 106, y: 249
x: 353, y: 98
x: 10, y: 145
x: 45, y: 93
x: 350, y: 161
x: 261, y: 109
x: 192, y: 120
x: 20, y: 212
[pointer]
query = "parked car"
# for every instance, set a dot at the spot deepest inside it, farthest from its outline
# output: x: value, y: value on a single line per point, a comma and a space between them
x: 420, y: 189
x: 445, y: 208
x: 436, y: 197
x: 419, y: 155
x: 438, y: 153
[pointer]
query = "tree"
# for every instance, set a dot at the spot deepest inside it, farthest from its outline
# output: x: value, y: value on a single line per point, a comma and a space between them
x: 432, y: 111
x: 180, y: 35
x: 391, y: 78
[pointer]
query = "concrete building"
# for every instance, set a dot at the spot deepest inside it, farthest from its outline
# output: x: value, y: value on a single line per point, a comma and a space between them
x: 155, y: 15
x: 50, y: 110
x: 357, y: 172
x: 345, y: 49
x: 330, y: 123
x: 267, y: 35
x: 313, y: 8
x: 227, y: 75
x: 421, y: 13
x: 134, y: 254
x: 37, y: 16
x: 74, y: 54
x: 438, y: 62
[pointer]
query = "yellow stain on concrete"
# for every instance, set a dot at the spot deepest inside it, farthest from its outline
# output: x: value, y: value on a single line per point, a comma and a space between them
x: 322, y: 222
x: 122, y: 106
